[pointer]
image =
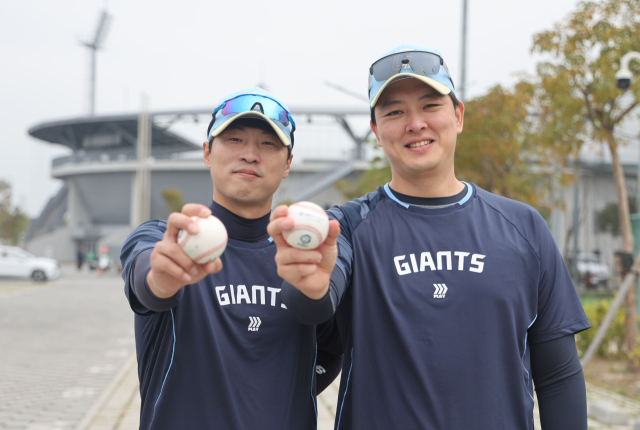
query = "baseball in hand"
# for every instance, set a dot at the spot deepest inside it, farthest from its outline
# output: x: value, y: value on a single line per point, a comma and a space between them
x: 208, y: 244
x: 310, y: 226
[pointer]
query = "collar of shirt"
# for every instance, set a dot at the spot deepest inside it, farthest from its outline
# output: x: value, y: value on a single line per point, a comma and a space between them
x: 430, y: 201
x: 239, y: 228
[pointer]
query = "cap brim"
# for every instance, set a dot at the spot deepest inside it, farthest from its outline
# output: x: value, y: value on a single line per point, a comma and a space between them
x: 441, y: 88
x: 252, y: 114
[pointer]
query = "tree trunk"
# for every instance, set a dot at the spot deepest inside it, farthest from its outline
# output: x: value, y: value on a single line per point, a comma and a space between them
x: 623, y: 199
x: 631, y: 332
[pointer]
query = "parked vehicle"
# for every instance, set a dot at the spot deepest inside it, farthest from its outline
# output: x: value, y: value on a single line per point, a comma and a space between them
x: 18, y: 263
x: 591, y: 270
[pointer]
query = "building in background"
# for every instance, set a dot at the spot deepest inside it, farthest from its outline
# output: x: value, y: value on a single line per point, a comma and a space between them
x: 575, y: 227
x: 96, y: 203
x: 94, y: 206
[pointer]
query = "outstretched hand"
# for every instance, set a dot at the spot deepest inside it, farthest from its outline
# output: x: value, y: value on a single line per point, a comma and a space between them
x: 307, y: 270
x: 171, y: 267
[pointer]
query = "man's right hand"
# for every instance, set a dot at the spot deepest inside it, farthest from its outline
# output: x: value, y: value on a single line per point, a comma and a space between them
x: 171, y: 267
x: 307, y: 270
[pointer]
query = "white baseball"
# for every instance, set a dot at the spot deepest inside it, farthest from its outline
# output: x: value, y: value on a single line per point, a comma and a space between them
x: 208, y: 244
x: 310, y: 226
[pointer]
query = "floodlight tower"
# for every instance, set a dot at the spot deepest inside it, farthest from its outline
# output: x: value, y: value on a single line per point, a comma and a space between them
x: 462, y: 86
x: 94, y: 46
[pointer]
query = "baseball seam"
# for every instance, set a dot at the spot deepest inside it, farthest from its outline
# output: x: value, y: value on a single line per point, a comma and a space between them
x: 185, y: 239
x: 209, y: 252
x: 305, y: 227
x: 187, y: 236
x: 311, y: 208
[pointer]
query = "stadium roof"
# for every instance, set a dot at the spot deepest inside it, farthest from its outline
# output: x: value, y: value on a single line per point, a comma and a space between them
x: 120, y: 131
x: 102, y: 132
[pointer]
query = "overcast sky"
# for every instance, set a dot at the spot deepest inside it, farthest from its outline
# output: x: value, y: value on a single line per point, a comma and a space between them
x: 189, y: 53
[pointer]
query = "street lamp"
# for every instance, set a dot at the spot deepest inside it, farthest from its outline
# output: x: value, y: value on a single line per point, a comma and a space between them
x: 623, y: 79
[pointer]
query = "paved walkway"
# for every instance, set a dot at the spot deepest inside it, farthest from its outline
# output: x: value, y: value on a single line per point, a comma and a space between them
x: 616, y: 404
x: 61, y: 343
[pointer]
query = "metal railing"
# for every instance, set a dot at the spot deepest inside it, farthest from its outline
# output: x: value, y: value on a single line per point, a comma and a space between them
x: 118, y: 156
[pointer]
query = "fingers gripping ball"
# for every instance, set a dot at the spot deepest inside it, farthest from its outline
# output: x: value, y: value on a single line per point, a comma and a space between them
x: 208, y: 244
x: 310, y: 226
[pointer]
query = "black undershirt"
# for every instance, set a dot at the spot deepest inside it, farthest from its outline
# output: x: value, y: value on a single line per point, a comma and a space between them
x: 239, y: 228
x: 559, y: 382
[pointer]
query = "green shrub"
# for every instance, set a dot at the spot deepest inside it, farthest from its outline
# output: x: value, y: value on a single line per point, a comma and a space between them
x: 613, y: 344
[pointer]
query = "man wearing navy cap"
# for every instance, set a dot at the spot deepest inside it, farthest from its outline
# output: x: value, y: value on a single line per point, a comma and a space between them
x: 216, y: 346
x: 452, y: 301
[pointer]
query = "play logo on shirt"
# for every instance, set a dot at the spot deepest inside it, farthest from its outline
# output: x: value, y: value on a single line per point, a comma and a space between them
x: 254, y: 325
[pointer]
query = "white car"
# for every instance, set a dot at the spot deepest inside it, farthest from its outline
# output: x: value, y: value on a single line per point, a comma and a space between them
x: 591, y: 270
x: 18, y: 263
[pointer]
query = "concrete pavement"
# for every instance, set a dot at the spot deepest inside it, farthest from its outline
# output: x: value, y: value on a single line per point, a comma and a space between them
x: 61, y: 343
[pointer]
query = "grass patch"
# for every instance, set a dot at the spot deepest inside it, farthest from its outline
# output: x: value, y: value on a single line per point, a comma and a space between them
x: 592, y: 299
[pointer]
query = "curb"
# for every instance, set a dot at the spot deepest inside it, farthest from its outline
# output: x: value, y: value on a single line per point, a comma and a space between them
x: 107, y: 393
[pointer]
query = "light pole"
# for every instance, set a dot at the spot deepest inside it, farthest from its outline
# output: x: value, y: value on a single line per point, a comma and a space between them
x: 94, y: 46
x: 623, y: 79
x: 462, y: 90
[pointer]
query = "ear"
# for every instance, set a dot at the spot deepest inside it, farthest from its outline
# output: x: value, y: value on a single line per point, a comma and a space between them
x: 206, y: 155
x: 460, y: 117
x: 374, y: 128
x: 286, y: 171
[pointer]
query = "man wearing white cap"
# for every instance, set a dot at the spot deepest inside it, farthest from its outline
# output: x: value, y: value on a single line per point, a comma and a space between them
x: 450, y: 299
x: 203, y: 361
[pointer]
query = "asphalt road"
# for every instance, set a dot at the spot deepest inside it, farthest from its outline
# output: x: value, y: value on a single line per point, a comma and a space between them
x: 61, y: 343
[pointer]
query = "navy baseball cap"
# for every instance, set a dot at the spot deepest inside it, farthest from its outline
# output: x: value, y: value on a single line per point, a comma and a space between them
x: 257, y: 103
x: 409, y: 61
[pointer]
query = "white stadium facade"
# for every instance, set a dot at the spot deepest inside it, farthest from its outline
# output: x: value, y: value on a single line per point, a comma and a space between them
x: 98, y: 202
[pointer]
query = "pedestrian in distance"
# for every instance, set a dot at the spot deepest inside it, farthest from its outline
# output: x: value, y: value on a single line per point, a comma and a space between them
x: 452, y: 301
x: 80, y: 256
x: 216, y: 347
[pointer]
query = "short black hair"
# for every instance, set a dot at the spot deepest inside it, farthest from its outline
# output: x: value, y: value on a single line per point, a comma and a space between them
x: 454, y: 100
x: 253, y: 123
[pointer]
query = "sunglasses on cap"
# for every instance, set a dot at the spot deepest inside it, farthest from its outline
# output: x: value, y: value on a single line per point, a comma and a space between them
x: 422, y: 63
x: 252, y: 102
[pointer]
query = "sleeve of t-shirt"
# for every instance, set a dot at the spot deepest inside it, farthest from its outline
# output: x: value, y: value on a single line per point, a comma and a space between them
x: 141, y: 290
x: 142, y: 238
x: 559, y: 311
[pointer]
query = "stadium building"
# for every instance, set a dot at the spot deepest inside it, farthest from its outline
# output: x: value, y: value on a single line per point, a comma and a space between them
x: 98, y: 202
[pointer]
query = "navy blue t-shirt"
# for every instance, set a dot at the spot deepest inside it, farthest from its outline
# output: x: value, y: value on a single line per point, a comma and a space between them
x: 440, y: 307
x: 228, y: 355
